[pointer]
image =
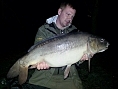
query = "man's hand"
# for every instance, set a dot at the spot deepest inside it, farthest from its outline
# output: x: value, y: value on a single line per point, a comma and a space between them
x: 84, y: 57
x: 40, y: 66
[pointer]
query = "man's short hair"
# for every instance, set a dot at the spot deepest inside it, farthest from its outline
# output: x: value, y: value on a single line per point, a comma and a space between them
x: 71, y: 4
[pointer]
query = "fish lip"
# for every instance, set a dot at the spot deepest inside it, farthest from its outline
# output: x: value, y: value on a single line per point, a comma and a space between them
x: 104, y: 49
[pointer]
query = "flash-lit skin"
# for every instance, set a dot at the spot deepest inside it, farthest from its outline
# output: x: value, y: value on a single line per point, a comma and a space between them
x: 65, y: 17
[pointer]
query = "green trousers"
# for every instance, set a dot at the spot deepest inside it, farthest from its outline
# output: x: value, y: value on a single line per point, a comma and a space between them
x: 56, y: 82
x: 46, y: 79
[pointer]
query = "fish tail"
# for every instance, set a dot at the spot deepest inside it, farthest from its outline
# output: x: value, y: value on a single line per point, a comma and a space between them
x: 14, y: 71
x: 20, y: 71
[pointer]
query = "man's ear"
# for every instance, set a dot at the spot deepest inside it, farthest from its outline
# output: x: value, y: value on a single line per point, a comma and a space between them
x: 59, y: 11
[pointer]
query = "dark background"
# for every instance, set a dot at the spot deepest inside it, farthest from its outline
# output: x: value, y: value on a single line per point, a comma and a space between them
x: 21, y: 19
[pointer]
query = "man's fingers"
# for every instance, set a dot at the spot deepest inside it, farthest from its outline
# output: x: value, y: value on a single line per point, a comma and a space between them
x: 47, y: 66
x: 42, y: 65
x: 84, y: 57
x: 38, y: 66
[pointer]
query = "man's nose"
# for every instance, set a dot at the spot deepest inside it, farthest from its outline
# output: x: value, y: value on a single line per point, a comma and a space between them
x: 70, y: 18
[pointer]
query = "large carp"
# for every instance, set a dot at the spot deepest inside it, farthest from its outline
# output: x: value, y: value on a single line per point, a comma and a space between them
x: 59, y: 51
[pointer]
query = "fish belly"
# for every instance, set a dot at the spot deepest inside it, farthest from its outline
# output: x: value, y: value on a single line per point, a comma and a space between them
x: 60, y: 59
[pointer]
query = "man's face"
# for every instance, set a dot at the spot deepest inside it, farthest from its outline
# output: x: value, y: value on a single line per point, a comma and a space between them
x: 66, y: 15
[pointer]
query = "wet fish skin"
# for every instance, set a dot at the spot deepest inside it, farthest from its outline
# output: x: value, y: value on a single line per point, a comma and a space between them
x: 57, y: 52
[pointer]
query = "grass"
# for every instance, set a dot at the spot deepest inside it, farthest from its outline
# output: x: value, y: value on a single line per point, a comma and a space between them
x: 98, y: 78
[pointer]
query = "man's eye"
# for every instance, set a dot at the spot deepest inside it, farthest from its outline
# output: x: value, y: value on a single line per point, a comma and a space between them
x: 67, y: 13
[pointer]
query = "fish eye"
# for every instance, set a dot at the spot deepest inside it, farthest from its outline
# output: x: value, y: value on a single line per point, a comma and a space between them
x: 102, y: 40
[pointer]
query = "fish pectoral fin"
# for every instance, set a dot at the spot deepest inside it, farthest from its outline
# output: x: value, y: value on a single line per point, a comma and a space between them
x: 66, y: 72
x: 22, y: 74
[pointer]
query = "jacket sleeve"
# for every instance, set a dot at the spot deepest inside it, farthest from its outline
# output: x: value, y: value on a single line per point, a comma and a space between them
x: 41, y: 34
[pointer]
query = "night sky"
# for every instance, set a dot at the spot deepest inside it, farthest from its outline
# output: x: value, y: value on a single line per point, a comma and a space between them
x: 21, y: 19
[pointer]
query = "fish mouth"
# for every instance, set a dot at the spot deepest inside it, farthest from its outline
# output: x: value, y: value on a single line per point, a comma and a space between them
x: 105, y: 48
x: 107, y: 45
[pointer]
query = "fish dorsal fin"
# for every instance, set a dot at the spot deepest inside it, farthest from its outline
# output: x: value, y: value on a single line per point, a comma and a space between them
x: 23, y: 74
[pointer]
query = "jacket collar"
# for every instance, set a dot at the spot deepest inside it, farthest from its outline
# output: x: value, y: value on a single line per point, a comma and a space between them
x: 53, y: 20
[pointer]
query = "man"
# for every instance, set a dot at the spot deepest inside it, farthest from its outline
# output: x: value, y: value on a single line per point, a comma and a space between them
x: 52, y: 78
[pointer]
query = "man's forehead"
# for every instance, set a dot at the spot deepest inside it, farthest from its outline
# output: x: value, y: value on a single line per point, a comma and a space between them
x: 70, y: 9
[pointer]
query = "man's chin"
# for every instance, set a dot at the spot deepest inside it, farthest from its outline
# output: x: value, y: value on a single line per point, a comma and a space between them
x: 66, y: 25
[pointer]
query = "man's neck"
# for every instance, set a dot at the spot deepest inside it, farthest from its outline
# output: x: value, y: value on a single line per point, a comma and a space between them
x: 58, y: 24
